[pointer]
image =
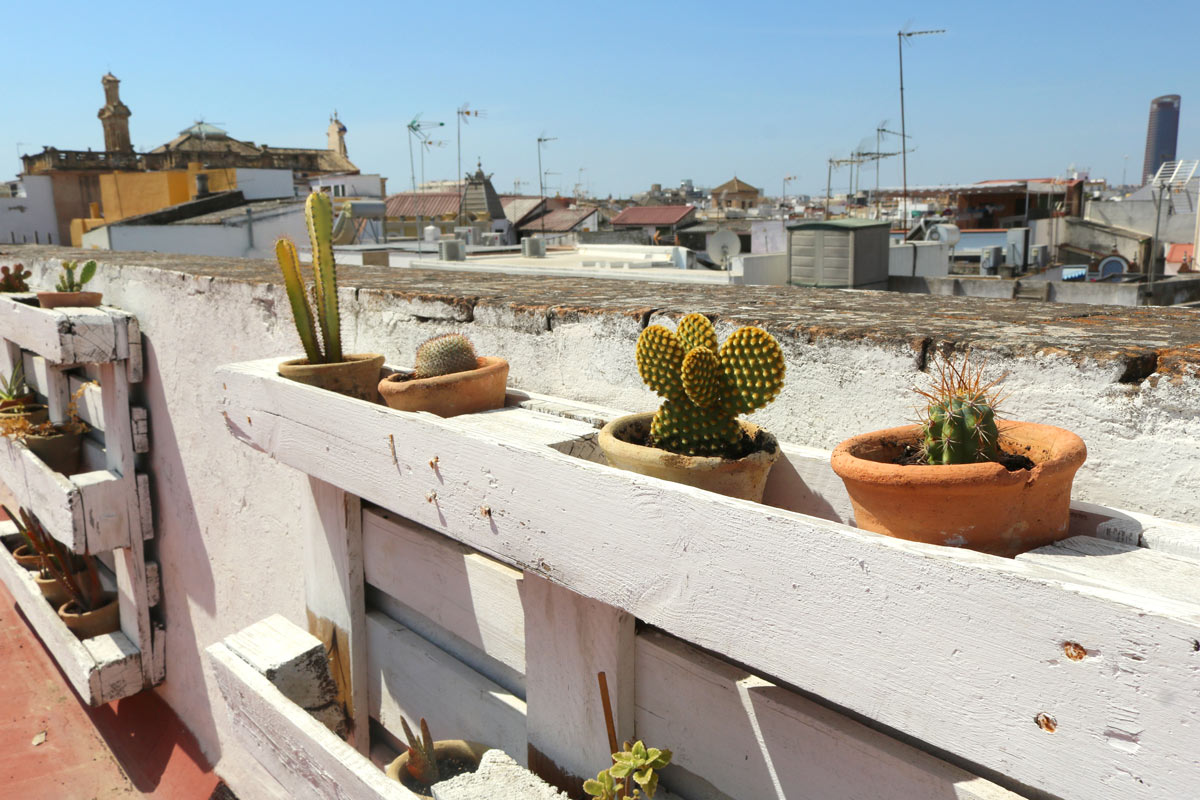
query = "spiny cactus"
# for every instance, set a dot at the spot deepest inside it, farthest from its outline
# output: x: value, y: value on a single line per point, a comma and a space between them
x: 445, y: 354
x: 959, y: 423
x: 14, y: 281
x: 318, y: 211
x: 704, y: 388
x: 67, y: 282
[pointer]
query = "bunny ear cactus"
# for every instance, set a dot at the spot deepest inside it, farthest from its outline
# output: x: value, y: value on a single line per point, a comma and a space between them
x: 318, y: 213
x: 67, y: 282
x: 959, y: 423
x: 14, y: 280
x: 705, y: 388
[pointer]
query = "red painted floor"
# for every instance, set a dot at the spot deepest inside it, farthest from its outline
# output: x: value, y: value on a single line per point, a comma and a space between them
x: 131, y: 748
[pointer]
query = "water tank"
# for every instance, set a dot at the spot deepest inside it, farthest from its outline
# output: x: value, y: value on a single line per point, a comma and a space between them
x: 452, y: 250
x: 431, y: 233
x: 946, y: 234
x: 533, y: 247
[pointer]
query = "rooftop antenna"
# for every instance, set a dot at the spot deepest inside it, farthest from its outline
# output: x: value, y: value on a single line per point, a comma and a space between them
x: 416, y: 129
x: 1171, y: 176
x: 903, y: 35
x: 541, y: 178
x: 880, y: 130
x: 464, y: 114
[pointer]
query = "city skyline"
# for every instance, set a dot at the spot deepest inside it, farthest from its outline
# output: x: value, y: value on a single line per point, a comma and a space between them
x: 631, y: 99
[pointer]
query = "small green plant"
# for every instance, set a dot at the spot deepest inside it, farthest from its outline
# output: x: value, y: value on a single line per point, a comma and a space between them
x: 67, y: 282
x: 13, y: 387
x: 706, y: 388
x: 57, y: 562
x: 636, y: 764
x: 445, y: 354
x: 318, y: 212
x: 959, y: 422
x: 422, y: 762
x: 14, y: 280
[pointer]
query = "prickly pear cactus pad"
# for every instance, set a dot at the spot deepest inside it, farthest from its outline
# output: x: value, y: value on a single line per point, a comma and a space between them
x: 445, y: 354
x: 959, y: 422
x: 705, y: 388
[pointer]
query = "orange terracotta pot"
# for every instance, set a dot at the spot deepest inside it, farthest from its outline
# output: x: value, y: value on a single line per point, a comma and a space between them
x: 983, y: 507
x: 443, y: 750
x: 479, y: 389
x: 27, y: 558
x: 69, y: 299
x: 745, y: 478
x: 356, y: 376
x: 103, y: 619
x: 20, y: 400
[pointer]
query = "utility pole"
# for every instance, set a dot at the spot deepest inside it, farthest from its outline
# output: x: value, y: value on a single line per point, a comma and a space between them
x: 417, y: 129
x: 464, y: 113
x: 542, y: 179
x: 900, y: 37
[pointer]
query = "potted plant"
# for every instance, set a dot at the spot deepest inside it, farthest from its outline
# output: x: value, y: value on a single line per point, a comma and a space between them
x: 448, y: 379
x: 57, y: 444
x: 13, y: 391
x: 14, y: 280
x: 634, y: 770
x: 49, y: 554
x: 960, y: 477
x: 356, y: 375
x: 695, y: 437
x: 426, y: 762
x: 69, y: 291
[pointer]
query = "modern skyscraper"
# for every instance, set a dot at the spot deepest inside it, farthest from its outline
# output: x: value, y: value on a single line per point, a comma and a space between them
x: 1161, y: 134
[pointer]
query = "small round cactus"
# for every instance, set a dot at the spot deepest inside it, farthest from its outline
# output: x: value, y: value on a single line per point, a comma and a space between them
x: 445, y: 354
x: 959, y: 423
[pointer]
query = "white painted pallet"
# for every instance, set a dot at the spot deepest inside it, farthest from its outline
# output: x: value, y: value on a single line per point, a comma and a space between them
x: 954, y: 648
x: 69, y: 336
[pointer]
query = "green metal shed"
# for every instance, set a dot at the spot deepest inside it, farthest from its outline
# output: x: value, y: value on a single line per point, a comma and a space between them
x: 838, y: 253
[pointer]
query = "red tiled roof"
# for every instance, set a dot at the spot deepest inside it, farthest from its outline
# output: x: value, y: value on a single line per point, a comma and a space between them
x: 735, y: 185
x: 653, y: 215
x: 1176, y: 255
x: 428, y: 204
x: 560, y: 220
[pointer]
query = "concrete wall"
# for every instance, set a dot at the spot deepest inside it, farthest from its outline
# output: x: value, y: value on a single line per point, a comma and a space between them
x: 236, y: 238
x: 926, y: 259
x: 1177, y: 217
x: 29, y: 218
x: 265, y: 184
x: 768, y: 236
x: 350, y: 185
x: 763, y: 269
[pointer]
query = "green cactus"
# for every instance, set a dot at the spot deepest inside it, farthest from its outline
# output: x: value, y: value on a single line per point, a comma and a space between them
x: 705, y: 389
x: 67, y: 282
x: 445, y: 354
x: 959, y: 422
x: 318, y: 212
x: 14, y: 281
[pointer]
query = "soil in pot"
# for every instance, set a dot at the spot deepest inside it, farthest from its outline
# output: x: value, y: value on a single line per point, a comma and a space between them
x: 911, y: 456
x: 69, y: 299
x: 104, y: 619
x: 479, y: 389
x: 356, y: 376
x: 454, y: 757
x: 624, y: 442
x: 60, y: 452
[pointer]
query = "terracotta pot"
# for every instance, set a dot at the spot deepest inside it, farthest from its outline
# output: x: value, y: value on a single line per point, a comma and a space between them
x: 478, y: 389
x: 470, y: 752
x: 27, y: 558
x: 34, y: 412
x: 68, y: 299
x: 105, y: 619
x: 16, y: 402
x: 55, y: 594
x: 60, y: 452
x: 983, y: 507
x: 357, y: 376
x: 745, y: 478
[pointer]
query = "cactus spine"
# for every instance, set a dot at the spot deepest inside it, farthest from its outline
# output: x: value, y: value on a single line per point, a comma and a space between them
x: 445, y: 354
x: 318, y: 212
x: 959, y: 422
x: 705, y: 388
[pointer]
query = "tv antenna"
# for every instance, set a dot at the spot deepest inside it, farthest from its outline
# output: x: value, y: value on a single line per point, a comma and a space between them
x: 463, y: 115
x: 416, y: 130
x: 1172, y: 176
x: 902, y: 36
x: 543, y: 139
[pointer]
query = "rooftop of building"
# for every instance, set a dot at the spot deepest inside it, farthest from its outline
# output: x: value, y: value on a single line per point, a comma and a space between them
x: 735, y: 184
x: 653, y: 215
x: 560, y: 220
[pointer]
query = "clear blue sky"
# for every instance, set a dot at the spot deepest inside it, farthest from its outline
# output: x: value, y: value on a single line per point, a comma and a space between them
x: 636, y: 93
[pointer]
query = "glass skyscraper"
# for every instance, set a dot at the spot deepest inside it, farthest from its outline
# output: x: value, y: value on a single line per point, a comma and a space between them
x: 1161, y: 134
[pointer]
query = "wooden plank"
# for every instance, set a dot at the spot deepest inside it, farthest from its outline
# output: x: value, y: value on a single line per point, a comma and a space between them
x: 1132, y: 527
x: 118, y: 670
x: 51, y: 381
x: 64, y: 336
x: 801, y: 600
x: 55, y: 500
x: 293, y: 660
x: 465, y: 592
x: 104, y: 503
x: 568, y: 640
x: 145, y: 509
x: 757, y: 741
x: 90, y: 405
x: 334, y: 597
x: 409, y: 676
x: 309, y: 761
x: 141, y: 429
x: 153, y: 584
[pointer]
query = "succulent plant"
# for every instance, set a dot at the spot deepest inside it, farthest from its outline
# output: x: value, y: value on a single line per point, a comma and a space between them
x: 445, y: 354
x: 422, y: 762
x: 67, y: 282
x: 635, y: 764
x: 14, y: 280
x: 959, y: 422
x: 705, y: 388
x: 318, y: 212
x: 59, y: 563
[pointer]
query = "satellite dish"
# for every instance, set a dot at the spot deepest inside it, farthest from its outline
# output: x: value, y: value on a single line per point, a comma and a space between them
x: 723, y: 246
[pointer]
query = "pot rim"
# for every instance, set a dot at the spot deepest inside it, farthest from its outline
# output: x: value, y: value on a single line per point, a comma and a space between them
x: 24, y: 408
x: 1067, y: 450
x: 62, y: 610
x: 347, y: 358
x: 609, y: 442
x: 484, y: 366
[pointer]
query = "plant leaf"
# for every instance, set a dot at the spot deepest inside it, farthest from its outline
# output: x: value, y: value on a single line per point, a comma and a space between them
x: 620, y: 770
x: 89, y: 269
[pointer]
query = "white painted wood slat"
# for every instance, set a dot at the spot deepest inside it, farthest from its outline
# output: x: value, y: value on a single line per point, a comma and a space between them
x: 802, y: 600
x: 65, y: 336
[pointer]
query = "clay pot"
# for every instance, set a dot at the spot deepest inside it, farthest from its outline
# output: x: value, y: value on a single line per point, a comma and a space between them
x: 55, y: 594
x: 745, y: 478
x: 27, y: 558
x: 469, y: 752
x: 60, y: 452
x: 69, y: 299
x: 34, y: 412
x: 104, y: 619
x: 356, y: 376
x: 16, y: 402
x: 478, y: 389
x: 983, y: 507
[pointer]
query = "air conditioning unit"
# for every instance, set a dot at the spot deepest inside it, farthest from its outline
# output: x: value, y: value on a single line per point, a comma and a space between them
x: 466, y: 233
x: 533, y: 247
x: 490, y: 239
x: 1039, y: 255
x: 990, y: 259
x: 452, y: 250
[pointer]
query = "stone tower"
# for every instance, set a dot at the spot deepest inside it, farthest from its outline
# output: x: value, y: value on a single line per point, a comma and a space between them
x: 114, y: 117
x: 337, y: 135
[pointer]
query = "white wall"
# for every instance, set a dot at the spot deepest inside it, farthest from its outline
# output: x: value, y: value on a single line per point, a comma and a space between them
x: 761, y: 269
x: 265, y: 184
x: 768, y: 237
x: 236, y: 238
x: 32, y: 217
x: 928, y: 259
x: 351, y: 185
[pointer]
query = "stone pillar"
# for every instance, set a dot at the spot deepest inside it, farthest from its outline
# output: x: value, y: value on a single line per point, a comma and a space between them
x: 114, y: 116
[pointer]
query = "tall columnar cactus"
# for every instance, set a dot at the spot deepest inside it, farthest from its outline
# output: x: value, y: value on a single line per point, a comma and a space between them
x: 705, y: 388
x: 318, y: 211
x: 959, y: 423
x: 445, y: 354
x: 14, y: 281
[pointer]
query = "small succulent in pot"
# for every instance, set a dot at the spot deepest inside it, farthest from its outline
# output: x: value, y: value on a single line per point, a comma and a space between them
x: 958, y: 425
x: 69, y: 291
x: 634, y: 770
x: 445, y: 355
x: 14, y: 280
x: 448, y: 379
x: 426, y: 762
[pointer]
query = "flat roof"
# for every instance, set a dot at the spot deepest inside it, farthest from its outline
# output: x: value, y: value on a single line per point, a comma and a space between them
x: 839, y: 224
